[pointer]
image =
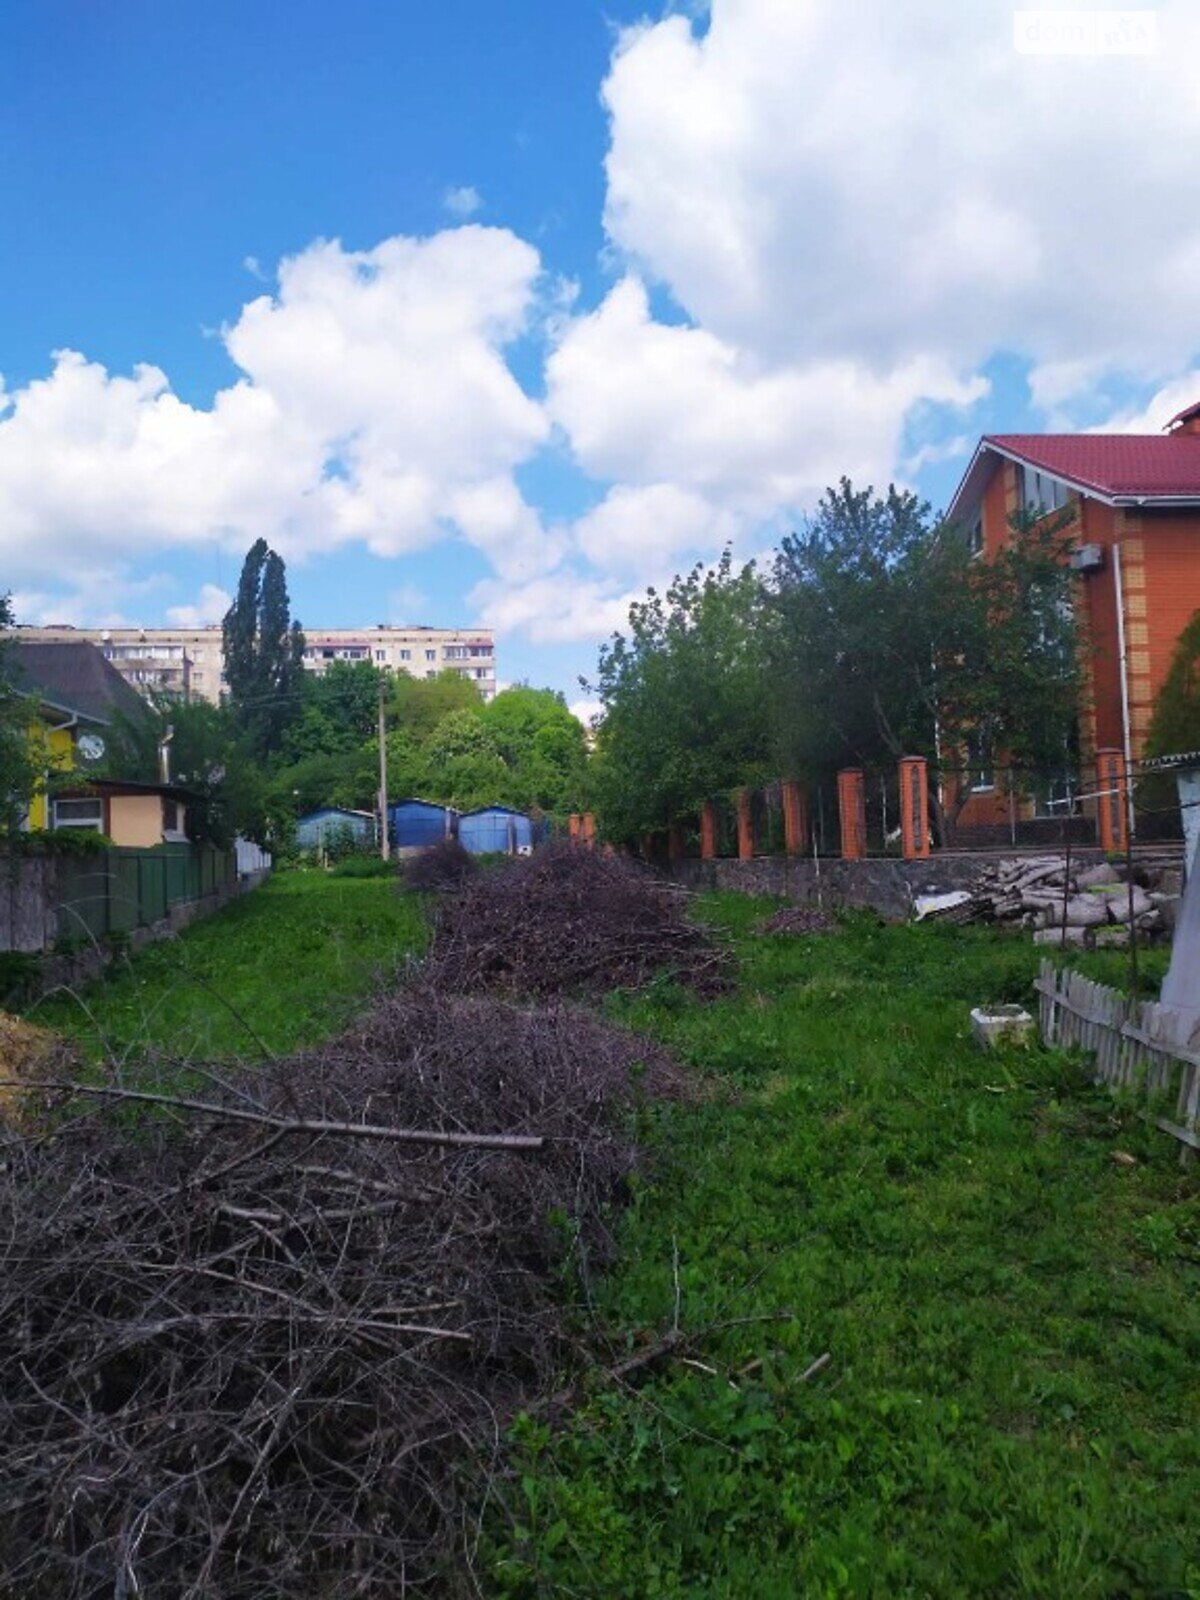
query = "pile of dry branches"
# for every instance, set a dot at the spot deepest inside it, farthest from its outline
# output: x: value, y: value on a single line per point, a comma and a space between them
x: 245, y: 1340
x: 569, y: 921
x: 440, y: 868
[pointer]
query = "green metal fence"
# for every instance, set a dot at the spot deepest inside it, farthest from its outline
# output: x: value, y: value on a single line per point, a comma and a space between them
x: 124, y: 889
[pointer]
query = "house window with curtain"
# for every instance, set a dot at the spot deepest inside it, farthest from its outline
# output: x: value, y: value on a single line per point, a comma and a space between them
x: 1040, y: 493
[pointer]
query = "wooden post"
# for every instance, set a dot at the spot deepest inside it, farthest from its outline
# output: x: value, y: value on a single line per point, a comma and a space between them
x: 745, y: 825
x: 914, y: 808
x: 708, y: 831
x: 1112, y: 801
x: 852, y: 812
x: 795, y: 818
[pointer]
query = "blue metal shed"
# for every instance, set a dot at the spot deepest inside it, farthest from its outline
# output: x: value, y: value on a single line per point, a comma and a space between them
x: 328, y: 825
x: 420, y: 822
x: 495, y: 829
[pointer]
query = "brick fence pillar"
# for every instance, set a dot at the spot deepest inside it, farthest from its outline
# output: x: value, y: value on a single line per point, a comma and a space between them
x: 745, y: 825
x: 914, y: 808
x: 675, y: 842
x: 574, y: 822
x: 852, y: 812
x: 708, y: 831
x: 795, y: 818
x: 1113, y: 801
x: 587, y: 830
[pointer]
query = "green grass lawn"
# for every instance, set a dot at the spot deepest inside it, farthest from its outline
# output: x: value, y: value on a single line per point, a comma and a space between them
x: 1012, y: 1400
x: 282, y: 967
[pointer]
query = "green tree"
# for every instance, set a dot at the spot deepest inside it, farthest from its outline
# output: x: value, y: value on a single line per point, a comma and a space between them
x: 338, y: 711
x: 543, y: 746
x: 460, y: 733
x: 207, y: 757
x: 685, y: 712
x: 1175, y: 725
x: 325, y: 778
x: 464, y: 768
x: 18, y: 774
x: 347, y: 694
x: 419, y: 704
x: 264, y: 652
x: 887, y: 639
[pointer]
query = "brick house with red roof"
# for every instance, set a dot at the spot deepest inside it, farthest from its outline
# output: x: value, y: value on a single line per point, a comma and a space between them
x: 1136, y: 534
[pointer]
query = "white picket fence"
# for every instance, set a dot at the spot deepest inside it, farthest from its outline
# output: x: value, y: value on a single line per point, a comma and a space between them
x: 1134, y: 1041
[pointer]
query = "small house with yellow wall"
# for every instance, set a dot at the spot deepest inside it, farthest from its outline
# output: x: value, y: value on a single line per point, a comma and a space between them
x: 76, y: 700
x: 136, y: 815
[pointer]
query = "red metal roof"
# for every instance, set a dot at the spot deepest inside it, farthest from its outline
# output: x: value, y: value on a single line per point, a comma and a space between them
x: 1113, y: 465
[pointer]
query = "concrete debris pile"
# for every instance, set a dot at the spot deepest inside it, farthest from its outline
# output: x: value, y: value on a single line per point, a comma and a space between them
x: 1081, y: 902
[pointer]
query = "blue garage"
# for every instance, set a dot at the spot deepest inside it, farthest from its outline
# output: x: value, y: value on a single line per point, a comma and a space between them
x: 416, y: 823
x: 495, y: 830
x: 332, y: 828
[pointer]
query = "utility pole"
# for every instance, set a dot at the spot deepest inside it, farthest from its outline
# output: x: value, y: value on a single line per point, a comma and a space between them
x: 384, y: 846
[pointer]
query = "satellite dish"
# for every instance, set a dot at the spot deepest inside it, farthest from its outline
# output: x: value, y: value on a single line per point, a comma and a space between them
x: 90, y: 746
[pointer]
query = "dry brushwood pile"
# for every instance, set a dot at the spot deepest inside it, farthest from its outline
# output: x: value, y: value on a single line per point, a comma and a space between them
x: 440, y: 869
x: 569, y: 921
x: 798, y: 919
x: 26, y: 1053
x: 246, y: 1342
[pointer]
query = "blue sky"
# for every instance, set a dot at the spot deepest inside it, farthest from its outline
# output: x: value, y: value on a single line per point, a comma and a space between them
x: 576, y: 292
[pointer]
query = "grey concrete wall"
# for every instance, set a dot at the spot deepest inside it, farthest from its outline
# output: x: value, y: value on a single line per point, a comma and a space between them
x: 28, y: 903
x: 885, y: 885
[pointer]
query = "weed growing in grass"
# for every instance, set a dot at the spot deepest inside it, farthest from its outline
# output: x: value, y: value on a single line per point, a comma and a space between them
x: 1011, y: 1403
x: 285, y: 966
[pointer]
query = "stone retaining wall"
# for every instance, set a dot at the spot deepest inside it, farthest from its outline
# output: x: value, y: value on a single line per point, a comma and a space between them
x: 887, y: 885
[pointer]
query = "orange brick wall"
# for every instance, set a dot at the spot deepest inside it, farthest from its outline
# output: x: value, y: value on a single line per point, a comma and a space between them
x: 1160, y: 556
x: 1171, y: 594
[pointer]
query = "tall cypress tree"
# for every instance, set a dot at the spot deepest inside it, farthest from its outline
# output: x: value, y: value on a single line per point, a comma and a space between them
x: 263, y: 651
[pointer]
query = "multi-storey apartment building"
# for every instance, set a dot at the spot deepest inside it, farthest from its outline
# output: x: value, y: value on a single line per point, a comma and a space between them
x: 421, y: 652
x: 188, y: 662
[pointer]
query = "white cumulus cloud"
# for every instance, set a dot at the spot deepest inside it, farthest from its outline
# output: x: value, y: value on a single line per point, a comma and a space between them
x: 374, y: 404
x: 1162, y: 407
x: 564, y: 607
x: 884, y: 182
x: 211, y: 606
x: 705, y: 442
x: 462, y: 201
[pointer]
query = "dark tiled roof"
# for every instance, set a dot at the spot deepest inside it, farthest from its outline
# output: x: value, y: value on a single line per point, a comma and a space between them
x: 74, y: 674
x: 1140, y: 465
x: 119, y: 786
